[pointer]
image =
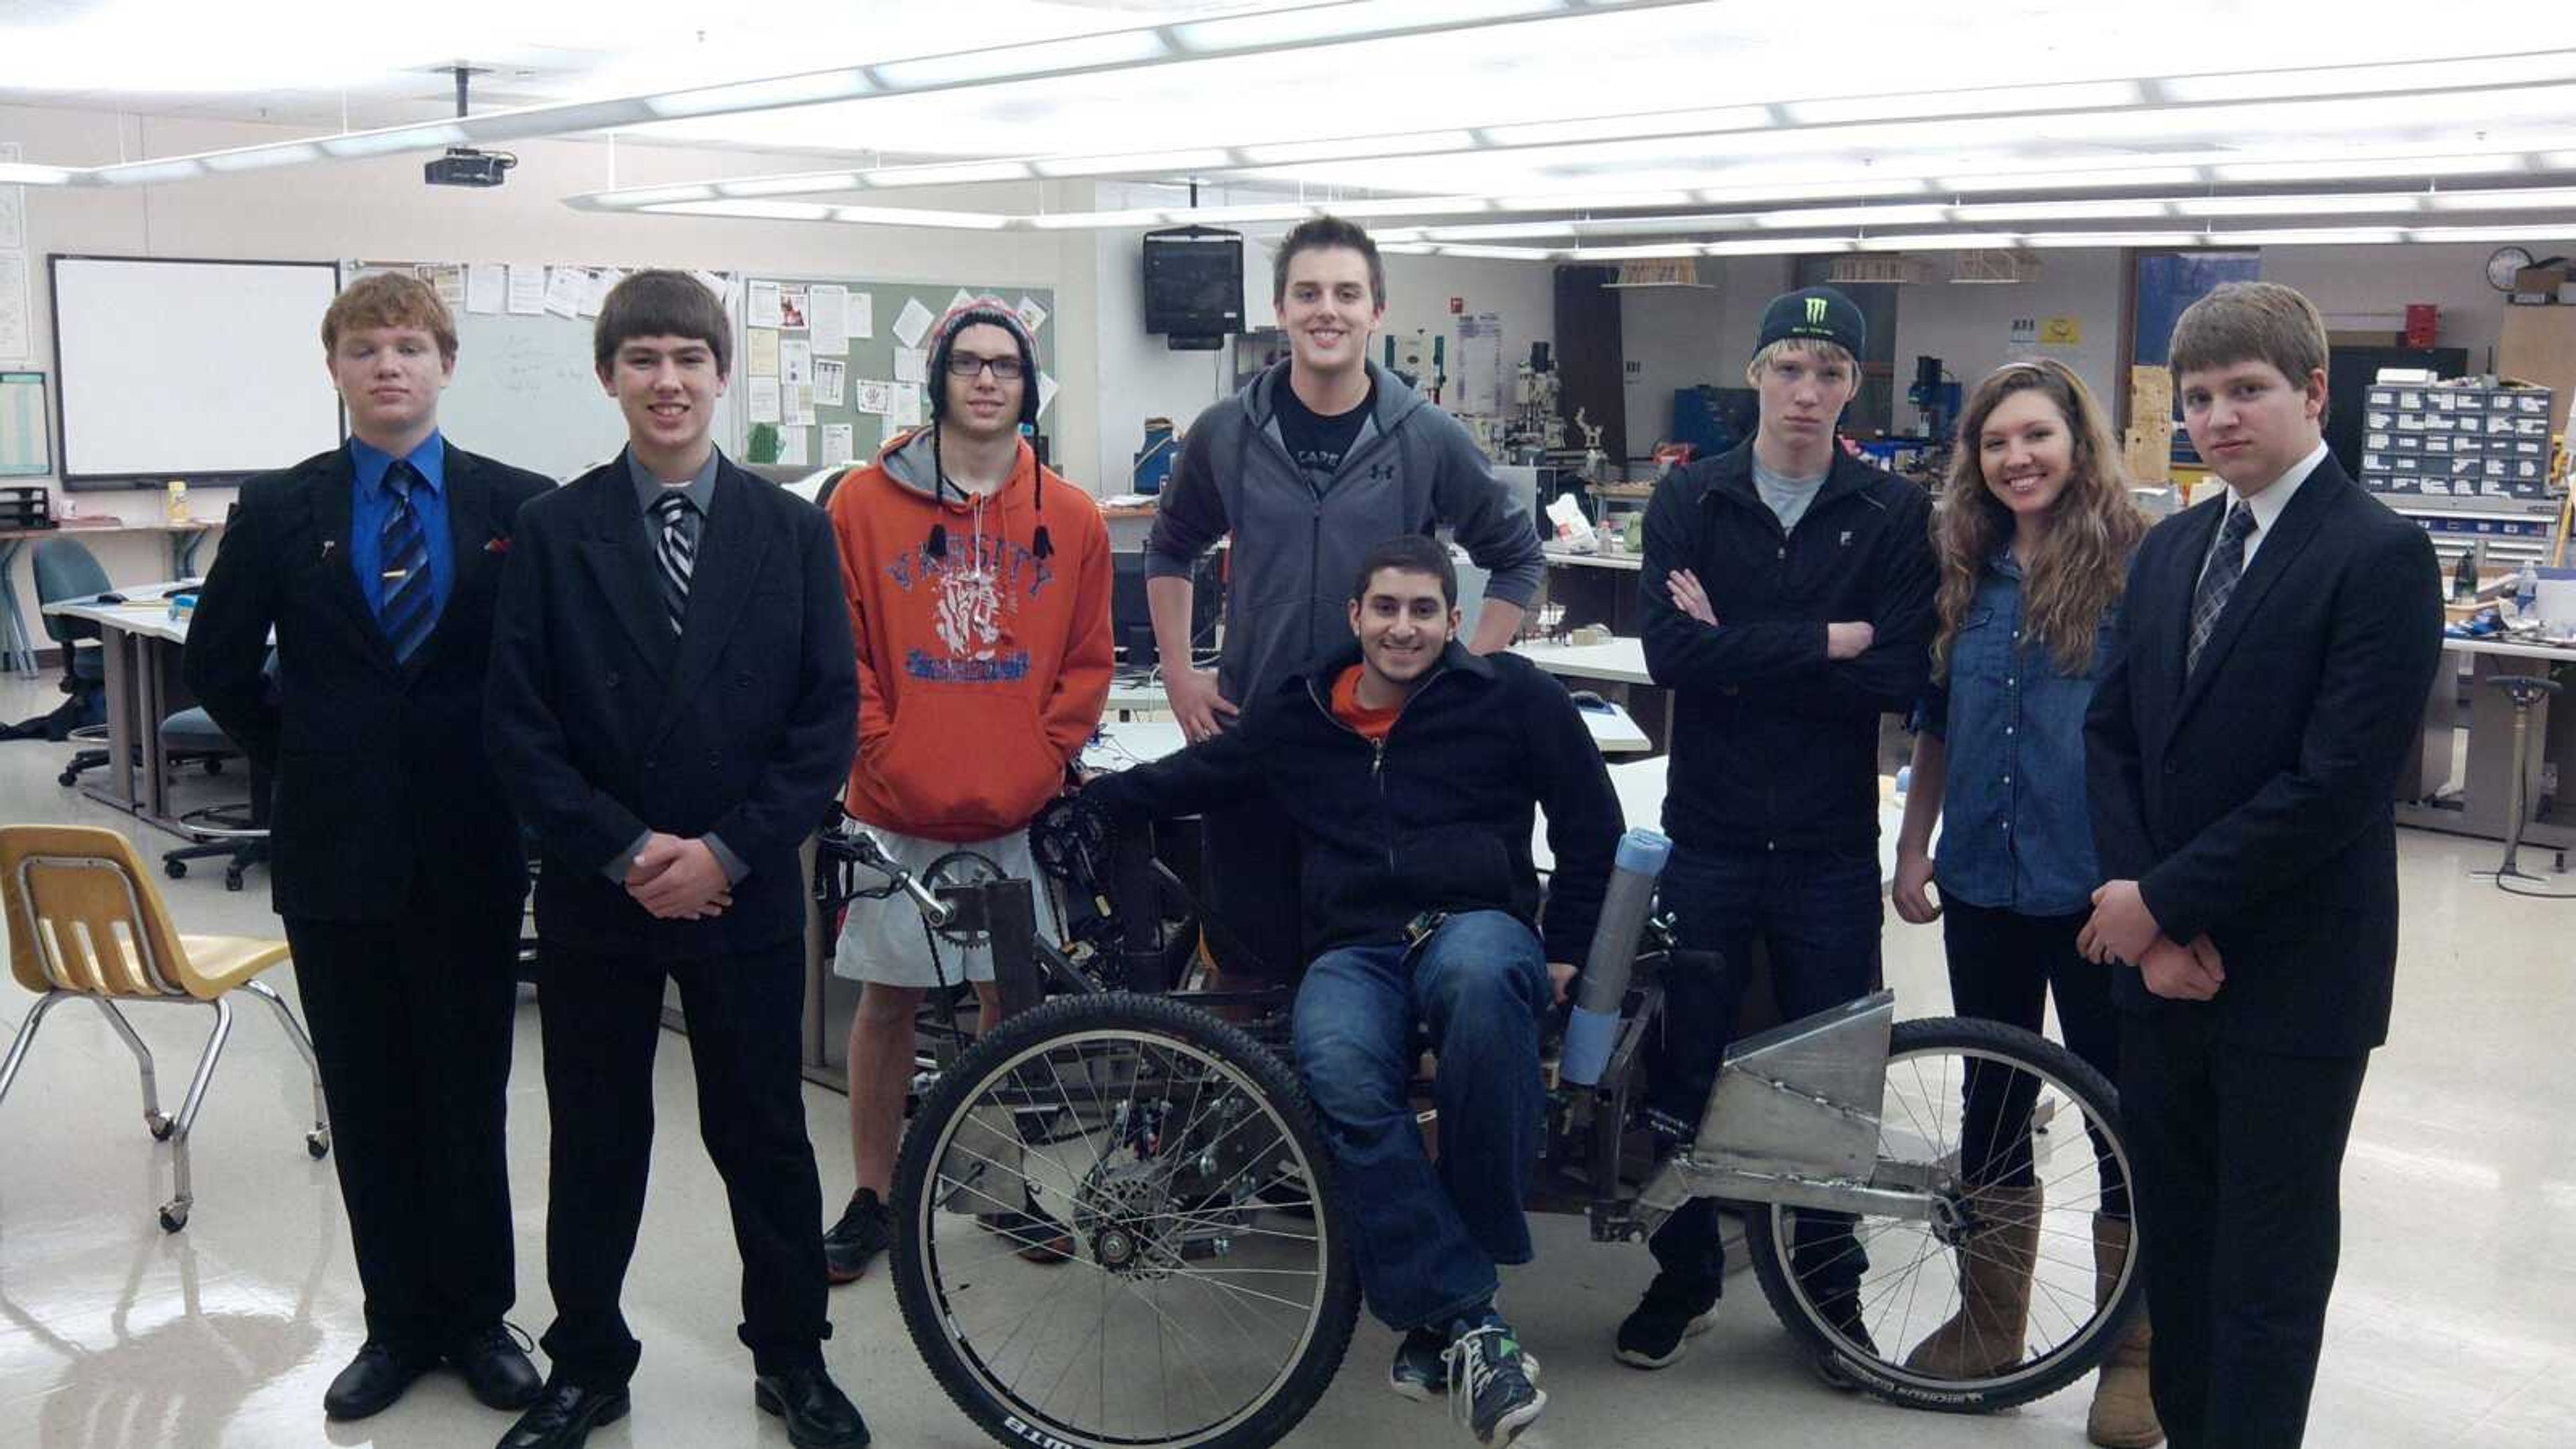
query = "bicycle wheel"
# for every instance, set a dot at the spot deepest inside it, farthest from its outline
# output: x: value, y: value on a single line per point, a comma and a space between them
x: 1866, y: 1293
x: 1199, y: 1305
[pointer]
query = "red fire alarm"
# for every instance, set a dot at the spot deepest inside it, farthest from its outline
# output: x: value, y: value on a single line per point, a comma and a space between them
x: 1457, y: 306
x: 2423, y: 324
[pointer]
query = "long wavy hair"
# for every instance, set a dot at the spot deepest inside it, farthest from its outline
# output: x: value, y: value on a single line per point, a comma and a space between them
x: 2081, y: 565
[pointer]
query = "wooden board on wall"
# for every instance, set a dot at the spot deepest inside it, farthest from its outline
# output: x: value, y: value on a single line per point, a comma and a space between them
x: 2539, y: 345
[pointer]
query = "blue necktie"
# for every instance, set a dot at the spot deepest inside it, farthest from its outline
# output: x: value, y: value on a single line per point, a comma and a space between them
x: 410, y: 607
x: 2218, y: 582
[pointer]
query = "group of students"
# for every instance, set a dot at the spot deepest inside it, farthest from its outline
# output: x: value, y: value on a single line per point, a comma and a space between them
x: 2164, y: 757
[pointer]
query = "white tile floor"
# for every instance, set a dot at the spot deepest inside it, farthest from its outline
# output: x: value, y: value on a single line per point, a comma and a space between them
x: 2451, y: 1326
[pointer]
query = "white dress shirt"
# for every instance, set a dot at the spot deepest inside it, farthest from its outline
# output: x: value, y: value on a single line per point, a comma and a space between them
x: 2266, y: 506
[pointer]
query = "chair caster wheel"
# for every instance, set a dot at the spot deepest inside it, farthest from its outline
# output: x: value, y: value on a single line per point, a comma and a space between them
x: 68, y: 778
x: 214, y: 767
x: 233, y: 879
x: 175, y: 869
x: 174, y: 1216
x: 160, y: 1124
x: 317, y: 1143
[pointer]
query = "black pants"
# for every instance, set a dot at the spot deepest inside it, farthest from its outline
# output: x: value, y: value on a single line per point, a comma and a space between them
x: 2003, y: 966
x: 1817, y: 914
x: 2239, y: 1157
x: 603, y: 1019
x: 1250, y: 860
x: 411, y: 1022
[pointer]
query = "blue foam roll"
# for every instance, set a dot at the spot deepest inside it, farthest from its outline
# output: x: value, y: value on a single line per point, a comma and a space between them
x: 1588, y: 1038
x: 1643, y: 851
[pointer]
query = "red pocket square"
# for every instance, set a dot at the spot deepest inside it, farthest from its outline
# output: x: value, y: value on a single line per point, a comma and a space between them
x: 497, y: 543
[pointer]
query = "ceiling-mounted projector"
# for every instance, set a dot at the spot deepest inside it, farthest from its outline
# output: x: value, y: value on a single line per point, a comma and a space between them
x: 465, y: 166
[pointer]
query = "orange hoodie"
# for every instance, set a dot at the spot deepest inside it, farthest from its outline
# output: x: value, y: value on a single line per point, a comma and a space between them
x: 982, y: 667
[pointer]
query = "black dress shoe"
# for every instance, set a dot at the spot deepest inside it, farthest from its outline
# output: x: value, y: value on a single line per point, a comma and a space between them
x: 564, y: 1415
x: 372, y: 1381
x: 496, y: 1368
x: 818, y: 1414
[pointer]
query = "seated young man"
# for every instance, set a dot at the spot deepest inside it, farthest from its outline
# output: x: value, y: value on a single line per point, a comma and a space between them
x: 1410, y: 767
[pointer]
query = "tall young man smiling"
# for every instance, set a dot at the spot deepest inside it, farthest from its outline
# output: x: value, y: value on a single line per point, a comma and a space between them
x: 671, y: 704
x: 2240, y: 758
x: 1310, y: 465
x: 395, y: 861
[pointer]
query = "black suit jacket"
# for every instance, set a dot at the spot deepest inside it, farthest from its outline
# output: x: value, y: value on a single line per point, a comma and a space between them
x: 381, y: 779
x: 2251, y: 800
x: 604, y: 723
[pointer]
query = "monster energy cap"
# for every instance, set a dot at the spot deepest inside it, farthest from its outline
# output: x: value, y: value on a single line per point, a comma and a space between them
x: 1814, y: 314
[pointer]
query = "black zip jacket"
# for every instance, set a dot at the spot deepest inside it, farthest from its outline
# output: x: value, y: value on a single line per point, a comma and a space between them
x: 1775, y: 747
x: 1438, y: 817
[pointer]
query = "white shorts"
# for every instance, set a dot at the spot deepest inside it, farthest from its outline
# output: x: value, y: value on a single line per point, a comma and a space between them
x: 887, y: 942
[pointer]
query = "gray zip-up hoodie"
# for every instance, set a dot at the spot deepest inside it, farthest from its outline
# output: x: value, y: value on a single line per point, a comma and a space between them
x: 1298, y: 542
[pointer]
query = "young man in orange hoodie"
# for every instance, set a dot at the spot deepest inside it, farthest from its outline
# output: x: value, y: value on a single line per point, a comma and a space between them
x: 978, y: 584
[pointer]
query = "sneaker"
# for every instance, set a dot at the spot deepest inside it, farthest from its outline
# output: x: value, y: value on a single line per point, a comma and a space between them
x: 863, y: 1232
x: 1040, y: 1237
x: 1420, y: 1371
x: 1674, y: 1311
x: 1489, y: 1385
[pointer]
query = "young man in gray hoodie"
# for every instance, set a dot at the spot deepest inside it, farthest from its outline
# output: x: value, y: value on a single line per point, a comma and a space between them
x: 1318, y: 460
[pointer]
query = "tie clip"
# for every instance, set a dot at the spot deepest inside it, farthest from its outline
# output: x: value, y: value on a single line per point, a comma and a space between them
x: 390, y: 575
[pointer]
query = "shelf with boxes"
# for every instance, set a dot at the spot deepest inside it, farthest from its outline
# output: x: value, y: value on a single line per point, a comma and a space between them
x: 2474, y: 438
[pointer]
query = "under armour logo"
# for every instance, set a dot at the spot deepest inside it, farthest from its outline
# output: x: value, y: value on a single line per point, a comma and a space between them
x: 1815, y: 311
x: 1380, y: 472
x: 1846, y: 538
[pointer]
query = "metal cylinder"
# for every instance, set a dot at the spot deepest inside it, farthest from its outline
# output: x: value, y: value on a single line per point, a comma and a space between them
x: 1598, y: 992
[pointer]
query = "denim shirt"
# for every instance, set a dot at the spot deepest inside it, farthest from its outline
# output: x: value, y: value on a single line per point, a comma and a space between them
x: 2014, y: 830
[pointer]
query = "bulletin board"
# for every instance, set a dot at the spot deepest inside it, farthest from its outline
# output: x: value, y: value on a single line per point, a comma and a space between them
x: 801, y: 403
x: 527, y: 391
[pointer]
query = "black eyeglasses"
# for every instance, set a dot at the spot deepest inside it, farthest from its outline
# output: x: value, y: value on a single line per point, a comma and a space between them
x: 967, y: 364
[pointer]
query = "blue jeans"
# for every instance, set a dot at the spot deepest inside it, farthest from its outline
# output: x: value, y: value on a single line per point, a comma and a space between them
x: 1817, y: 913
x: 1427, y: 1238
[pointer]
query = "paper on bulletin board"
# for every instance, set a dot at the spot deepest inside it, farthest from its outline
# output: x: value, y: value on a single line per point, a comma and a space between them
x: 1032, y: 316
x: 791, y: 309
x: 830, y: 382
x: 761, y: 305
x: 795, y: 362
x: 602, y: 282
x: 565, y: 289
x: 763, y: 399
x: 17, y: 334
x: 962, y: 298
x: 527, y: 290
x: 911, y: 364
x: 871, y: 395
x: 914, y: 320
x: 447, y: 279
x: 796, y: 404
x: 1046, y: 393
x: 1480, y: 364
x: 838, y: 445
x: 905, y: 411
x: 862, y: 318
x: 827, y: 319
x: 717, y: 287
x: 486, y: 287
x: 13, y: 207
x: 791, y: 446
x: 2061, y: 331
x: 760, y: 353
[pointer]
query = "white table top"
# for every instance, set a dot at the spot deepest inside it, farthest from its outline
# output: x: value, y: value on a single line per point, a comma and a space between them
x: 1640, y: 786
x: 145, y: 612
x: 1613, y: 728
x: 2512, y: 649
x: 1627, y: 562
x: 1620, y: 661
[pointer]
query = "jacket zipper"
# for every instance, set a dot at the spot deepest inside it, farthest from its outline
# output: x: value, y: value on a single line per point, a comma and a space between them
x: 1377, y: 753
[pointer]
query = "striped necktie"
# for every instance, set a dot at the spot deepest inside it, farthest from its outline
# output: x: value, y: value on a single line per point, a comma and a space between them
x: 676, y: 551
x: 2218, y: 581
x: 410, y: 605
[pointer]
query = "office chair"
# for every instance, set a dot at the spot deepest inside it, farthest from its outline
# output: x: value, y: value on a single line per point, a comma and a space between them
x: 84, y: 921
x: 235, y: 831
x: 66, y: 569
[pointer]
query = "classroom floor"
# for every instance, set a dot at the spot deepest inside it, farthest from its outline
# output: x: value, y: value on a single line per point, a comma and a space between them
x: 2449, y: 1327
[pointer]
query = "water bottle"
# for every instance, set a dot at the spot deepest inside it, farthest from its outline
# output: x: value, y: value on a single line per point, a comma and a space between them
x: 1594, y: 1025
x: 2526, y: 590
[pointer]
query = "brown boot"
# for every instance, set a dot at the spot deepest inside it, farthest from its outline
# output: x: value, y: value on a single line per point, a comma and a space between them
x: 2124, y: 1413
x: 1985, y: 1336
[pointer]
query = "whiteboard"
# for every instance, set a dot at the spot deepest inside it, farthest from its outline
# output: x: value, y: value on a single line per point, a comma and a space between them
x: 190, y: 369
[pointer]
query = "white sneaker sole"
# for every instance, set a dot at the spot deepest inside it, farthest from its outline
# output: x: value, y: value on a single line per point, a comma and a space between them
x: 1511, y: 1425
x: 1681, y: 1346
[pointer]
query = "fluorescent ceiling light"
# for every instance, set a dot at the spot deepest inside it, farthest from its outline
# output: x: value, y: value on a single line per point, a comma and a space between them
x: 658, y: 195
x: 1419, y: 143
x: 2061, y: 210
x: 1632, y: 253
x: 399, y: 138
x: 1593, y: 201
x: 18, y: 173
x: 1937, y: 241
x: 913, y: 216
x: 2073, y: 180
x: 800, y: 184
x: 147, y: 173
x: 786, y: 90
x: 1313, y: 24
x: 1501, y: 231
x: 1714, y: 121
x: 2308, y: 236
x: 1997, y: 100
x: 1204, y: 158
x: 2492, y: 233
x: 950, y: 173
x: 1413, y: 206
x: 2493, y: 70
x: 1900, y: 215
x: 1785, y: 246
x: 2538, y: 198
x: 749, y: 210
x: 261, y: 158
x: 2355, y: 170
x: 2102, y: 239
x: 1101, y: 220
x: 2292, y: 205
x: 1499, y: 254
x: 1106, y: 51
x: 1406, y: 249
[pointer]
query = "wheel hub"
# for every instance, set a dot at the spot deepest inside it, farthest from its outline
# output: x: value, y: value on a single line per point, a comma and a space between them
x: 1127, y: 1214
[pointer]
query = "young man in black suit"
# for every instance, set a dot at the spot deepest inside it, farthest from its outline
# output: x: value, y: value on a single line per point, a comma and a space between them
x: 2241, y: 757
x: 393, y: 856
x: 672, y: 705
